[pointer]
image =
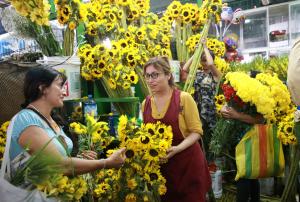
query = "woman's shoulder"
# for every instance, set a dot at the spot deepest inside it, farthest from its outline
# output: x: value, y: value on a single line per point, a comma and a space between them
x: 185, y: 95
x: 27, y: 117
x: 25, y: 113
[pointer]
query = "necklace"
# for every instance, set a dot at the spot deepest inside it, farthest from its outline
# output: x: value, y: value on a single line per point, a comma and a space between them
x: 160, y: 112
x: 51, y: 123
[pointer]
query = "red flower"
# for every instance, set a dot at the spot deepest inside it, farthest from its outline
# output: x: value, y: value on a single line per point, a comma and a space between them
x: 229, y: 92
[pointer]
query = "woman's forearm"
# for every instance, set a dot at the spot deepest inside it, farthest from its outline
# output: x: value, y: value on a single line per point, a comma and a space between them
x: 250, y: 119
x: 188, y: 141
x: 81, y: 166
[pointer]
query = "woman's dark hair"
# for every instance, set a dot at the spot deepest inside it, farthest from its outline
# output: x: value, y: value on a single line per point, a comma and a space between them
x: 253, y: 73
x: 36, y: 77
x: 161, y: 63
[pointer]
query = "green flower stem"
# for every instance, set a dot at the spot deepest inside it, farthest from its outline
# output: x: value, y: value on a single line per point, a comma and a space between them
x: 142, y: 82
x: 196, y: 60
x: 294, y: 169
x: 68, y: 44
x: 119, y: 92
x: 189, y: 34
x: 183, y: 45
x: 124, y: 17
x: 178, y: 39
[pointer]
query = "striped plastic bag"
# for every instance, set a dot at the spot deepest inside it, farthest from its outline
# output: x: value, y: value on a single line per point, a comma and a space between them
x: 259, y: 154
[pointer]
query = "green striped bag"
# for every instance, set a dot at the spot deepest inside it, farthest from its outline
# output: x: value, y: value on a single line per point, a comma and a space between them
x: 259, y: 153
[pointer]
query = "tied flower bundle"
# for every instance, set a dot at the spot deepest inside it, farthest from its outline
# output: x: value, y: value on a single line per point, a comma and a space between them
x: 189, y: 19
x: 3, y: 130
x: 284, y: 111
x: 36, y: 10
x: 211, y: 10
x: 265, y: 95
x: 92, y: 136
x: 140, y: 178
x: 215, y: 46
x: 133, y: 35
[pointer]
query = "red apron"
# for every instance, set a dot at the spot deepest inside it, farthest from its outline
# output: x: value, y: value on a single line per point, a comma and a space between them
x: 187, y: 174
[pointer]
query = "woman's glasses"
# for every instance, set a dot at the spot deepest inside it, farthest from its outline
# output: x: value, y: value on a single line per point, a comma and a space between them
x: 153, y: 75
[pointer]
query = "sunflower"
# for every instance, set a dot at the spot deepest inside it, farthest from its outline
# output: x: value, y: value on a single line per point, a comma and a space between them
x: 66, y: 10
x: 72, y: 25
x: 126, y: 85
x: 133, y: 77
x: 150, y: 128
x: 288, y: 129
x: 131, y: 183
x: 97, y: 73
x: 144, y: 140
x: 112, y: 83
x: 213, y: 8
x: 152, y: 154
x: 130, y: 198
x: 162, y: 189
x: 101, y: 65
x: 101, y: 188
x: 92, y: 29
x: 123, y: 43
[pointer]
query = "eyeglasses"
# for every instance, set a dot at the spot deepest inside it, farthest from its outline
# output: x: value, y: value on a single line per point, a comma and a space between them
x: 153, y: 75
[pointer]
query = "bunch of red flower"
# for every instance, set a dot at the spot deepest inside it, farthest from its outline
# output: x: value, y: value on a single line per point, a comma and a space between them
x: 230, y: 96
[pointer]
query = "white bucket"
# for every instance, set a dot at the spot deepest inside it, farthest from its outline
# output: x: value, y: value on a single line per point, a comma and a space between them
x: 71, y: 67
x: 216, y: 179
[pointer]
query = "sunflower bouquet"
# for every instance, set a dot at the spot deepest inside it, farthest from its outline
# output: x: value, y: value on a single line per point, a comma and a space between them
x: 265, y: 95
x: 131, y: 36
x: 92, y: 136
x: 140, y: 178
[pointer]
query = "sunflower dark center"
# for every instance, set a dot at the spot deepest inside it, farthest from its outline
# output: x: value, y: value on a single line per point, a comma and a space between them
x: 289, y: 129
x: 146, y: 140
x: 153, y: 152
x: 153, y: 176
x: 151, y: 131
x: 161, y: 130
x: 129, y: 153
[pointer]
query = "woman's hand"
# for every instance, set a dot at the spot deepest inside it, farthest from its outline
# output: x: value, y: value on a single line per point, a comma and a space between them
x: 172, y: 151
x: 229, y: 113
x: 203, y: 42
x: 88, y: 154
x: 117, y: 159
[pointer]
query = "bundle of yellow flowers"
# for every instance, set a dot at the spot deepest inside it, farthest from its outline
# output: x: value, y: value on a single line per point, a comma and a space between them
x: 36, y: 10
x: 266, y: 95
x: 284, y: 111
x: 3, y: 130
x: 140, y: 178
x: 92, y: 136
x: 64, y: 188
x: 217, y: 47
x: 131, y: 34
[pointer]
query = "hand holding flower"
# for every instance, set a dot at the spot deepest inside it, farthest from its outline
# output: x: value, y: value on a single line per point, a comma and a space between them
x: 172, y: 151
x: 117, y: 159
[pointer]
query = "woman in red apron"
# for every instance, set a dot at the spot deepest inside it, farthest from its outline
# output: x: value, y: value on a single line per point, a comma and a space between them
x: 186, y: 170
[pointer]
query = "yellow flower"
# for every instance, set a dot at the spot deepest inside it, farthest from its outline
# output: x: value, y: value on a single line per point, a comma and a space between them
x: 72, y: 25
x: 162, y: 189
x: 130, y: 198
x: 131, y: 184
